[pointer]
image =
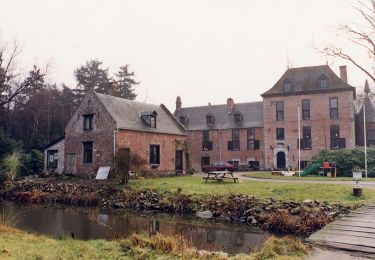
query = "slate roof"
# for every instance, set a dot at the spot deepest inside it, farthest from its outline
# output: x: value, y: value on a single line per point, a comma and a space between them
x: 252, y: 114
x: 370, y: 111
x: 305, y: 80
x: 57, y: 140
x: 127, y: 114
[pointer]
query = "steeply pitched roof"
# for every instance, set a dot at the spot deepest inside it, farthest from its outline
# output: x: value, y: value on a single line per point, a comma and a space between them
x: 306, y: 80
x: 57, y: 140
x: 252, y: 116
x: 370, y: 111
x: 127, y: 114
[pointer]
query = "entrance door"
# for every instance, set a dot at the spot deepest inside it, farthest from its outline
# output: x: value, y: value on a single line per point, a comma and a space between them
x: 179, y: 161
x: 71, y: 167
x: 280, y: 160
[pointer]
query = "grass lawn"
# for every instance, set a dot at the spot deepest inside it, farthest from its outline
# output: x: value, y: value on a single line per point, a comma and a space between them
x: 195, y: 186
x: 16, y: 244
x: 268, y: 175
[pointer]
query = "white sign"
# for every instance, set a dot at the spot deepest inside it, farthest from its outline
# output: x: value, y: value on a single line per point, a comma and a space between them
x: 103, y: 173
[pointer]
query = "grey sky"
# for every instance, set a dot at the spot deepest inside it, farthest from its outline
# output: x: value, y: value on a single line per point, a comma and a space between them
x: 202, y: 50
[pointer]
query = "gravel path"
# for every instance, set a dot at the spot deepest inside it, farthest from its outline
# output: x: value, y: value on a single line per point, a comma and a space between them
x: 242, y: 176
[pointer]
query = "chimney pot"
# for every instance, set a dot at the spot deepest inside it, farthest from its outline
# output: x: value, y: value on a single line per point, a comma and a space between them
x: 178, y: 103
x: 230, y: 105
x: 343, y: 73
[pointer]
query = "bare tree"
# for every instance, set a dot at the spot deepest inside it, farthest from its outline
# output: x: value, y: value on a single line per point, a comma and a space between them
x: 13, y: 82
x: 361, y: 35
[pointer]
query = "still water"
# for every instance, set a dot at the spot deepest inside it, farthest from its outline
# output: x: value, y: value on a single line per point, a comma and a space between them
x: 94, y: 224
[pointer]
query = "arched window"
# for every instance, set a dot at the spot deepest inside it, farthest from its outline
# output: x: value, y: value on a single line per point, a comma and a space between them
x: 288, y: 85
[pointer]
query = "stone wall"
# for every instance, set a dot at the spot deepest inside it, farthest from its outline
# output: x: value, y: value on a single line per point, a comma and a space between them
x: 60, y: 147
x: 320, y: 123
x: 102, y: 136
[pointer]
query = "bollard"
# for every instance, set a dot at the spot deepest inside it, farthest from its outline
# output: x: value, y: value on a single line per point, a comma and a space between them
x: 357, y: 191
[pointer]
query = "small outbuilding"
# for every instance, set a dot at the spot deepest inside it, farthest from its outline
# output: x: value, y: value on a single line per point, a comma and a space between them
x: 54, y: 155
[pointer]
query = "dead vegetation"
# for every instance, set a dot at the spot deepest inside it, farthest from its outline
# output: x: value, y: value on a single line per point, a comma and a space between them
x: 141, y: 246
x: 301, y: 225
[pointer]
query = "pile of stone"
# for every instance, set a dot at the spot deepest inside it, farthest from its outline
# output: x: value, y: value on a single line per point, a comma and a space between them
x: 232, y: 208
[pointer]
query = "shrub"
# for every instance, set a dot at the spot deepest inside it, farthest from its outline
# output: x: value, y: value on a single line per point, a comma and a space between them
x: 11, y: 165
x: 31, y: 163
x: 347, y: 159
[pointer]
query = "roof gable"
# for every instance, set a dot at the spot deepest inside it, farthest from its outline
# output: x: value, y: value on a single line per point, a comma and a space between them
x: 309, y: 80
x: 128, y: 113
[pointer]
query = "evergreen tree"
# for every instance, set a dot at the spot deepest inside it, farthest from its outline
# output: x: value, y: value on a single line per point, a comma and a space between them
x: 124, y: 83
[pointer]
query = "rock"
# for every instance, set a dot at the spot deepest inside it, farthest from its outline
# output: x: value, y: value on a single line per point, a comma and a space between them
x: 251, y: 220
x: 307, y: 201
x: 205, y: 214
x: 334, y: 214
x: 295, y: 211
x: 119, y: 205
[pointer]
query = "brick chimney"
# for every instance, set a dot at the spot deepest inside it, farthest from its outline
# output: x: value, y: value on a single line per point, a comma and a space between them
x: 178, y: 103
x: 343, y: 74
x: 230, y: 105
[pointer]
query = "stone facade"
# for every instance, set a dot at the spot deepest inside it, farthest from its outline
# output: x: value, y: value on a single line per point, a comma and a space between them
x: 107, y: 133
x: 220, y: 151
x: 102, y: 136
x: 319, y: 122
x: 57, y: 150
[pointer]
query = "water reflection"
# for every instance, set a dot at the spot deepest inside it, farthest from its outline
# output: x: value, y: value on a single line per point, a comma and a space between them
x: 93, y: 224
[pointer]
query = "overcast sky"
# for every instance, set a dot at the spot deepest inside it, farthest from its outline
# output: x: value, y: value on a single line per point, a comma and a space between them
x: 202, y: 50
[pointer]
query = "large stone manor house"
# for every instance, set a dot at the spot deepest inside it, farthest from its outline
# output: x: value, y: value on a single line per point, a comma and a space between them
x: 264, y: 135
x: 259, y: 135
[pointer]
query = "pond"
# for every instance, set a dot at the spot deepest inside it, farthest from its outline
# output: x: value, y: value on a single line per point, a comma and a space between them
x: 85, y: 224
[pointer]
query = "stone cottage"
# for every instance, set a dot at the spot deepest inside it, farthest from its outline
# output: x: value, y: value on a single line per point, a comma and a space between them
x: 102, y: 125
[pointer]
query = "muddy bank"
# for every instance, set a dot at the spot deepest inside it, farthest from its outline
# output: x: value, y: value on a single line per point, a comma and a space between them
x: 281, y: 217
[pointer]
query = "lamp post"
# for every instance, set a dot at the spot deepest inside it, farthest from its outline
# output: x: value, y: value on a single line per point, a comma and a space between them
x: 299, y: 141
x: 365, y: 134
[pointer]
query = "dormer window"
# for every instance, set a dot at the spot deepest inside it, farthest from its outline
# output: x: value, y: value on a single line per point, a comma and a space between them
x: 323, y: 81
x: 182, y: 120
x: 88, y: 122
x: 149, y: 118
x: 210, y: 119
x: 287, y: 85
x: 238, y: 117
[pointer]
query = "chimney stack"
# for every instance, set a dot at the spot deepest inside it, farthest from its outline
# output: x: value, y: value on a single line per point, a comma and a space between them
x: 230, y: 105
x: 343, y: 74
x: 178, y: 103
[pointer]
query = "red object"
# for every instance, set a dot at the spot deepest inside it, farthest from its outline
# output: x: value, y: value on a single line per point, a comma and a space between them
x: 326, y: 165
x: 218, y: 167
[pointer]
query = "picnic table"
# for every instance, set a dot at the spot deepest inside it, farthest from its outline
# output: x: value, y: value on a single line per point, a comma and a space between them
x: 219, y: 176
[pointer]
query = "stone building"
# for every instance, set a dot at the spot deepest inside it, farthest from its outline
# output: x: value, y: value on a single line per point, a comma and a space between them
x: 264, y: 135
x: 327, y: 115
x: 231, y: 132
x: 54, y: 155
x: 103, y: 124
